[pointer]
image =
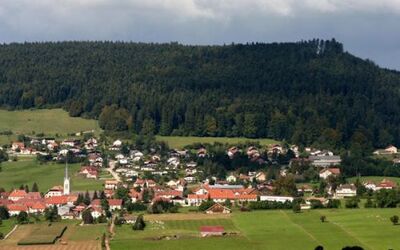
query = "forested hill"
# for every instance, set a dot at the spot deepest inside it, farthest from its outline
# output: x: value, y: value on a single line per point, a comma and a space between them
x: 305, y: 92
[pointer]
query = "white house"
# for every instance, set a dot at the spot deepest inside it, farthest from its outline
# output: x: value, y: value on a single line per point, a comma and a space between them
x: 325, y: 173
x: 346, y: 190
x: 231, y: 178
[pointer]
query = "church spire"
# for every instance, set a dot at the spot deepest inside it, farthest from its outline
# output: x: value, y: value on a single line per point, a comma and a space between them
x: 67, y: 185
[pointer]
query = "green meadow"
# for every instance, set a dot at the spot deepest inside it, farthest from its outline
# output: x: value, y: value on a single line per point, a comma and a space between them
x: 259, y: 230
x: 28, y: 171
x: 47, y: 121
x: 376, y: 179
x: 181, y: 141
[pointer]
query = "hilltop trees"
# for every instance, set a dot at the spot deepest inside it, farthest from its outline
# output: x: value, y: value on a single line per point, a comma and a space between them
x: 289, y: 91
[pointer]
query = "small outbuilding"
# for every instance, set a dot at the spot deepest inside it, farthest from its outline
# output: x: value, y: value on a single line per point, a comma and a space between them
x: 218, y: 209
x: 206, y: 231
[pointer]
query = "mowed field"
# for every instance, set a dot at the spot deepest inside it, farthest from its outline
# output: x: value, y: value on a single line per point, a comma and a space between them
x: 181, y: 141
x: 28, y: 171
x: 375, y: 179
x: 77, y: 237
x: 260, y: 230
x: 47, y: 121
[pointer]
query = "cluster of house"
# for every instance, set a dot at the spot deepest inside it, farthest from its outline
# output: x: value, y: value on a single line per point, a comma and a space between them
x: 49, y: 146
x: 33, y: 203
x: 350, y: 190
x: 92, y: 171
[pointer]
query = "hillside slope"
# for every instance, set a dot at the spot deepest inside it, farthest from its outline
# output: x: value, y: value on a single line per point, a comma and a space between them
x: 305, y: 92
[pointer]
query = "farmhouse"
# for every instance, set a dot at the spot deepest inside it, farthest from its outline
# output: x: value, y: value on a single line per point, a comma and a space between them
x: 15, y: 209
x: 325, y: 173
x: 111, y: 184
x: 211, y: 231
x: 346, y: 190
x: 325, y: 160
x: 55, y: 191
x: 218, y: 209
x: 387, y: 151
x: 196, y: 199
x: 17, y: 146
x: 17, y: 195
x: 129, y: 219
x: 115, y: 204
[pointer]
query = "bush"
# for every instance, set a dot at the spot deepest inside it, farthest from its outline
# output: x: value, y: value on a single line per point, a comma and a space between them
x: 369, y: 203
x: 333, y: 203
x: 394, y: 219
x: 352, y: 203
x: 296, y: 208
x: 1, y: 236
x: 322, y: 218
x: 139, y: 224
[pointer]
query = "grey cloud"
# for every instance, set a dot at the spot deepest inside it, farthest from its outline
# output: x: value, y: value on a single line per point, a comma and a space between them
x: 368, y: 28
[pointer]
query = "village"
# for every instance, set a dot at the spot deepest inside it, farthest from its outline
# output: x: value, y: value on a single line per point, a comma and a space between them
x: 163, y: 181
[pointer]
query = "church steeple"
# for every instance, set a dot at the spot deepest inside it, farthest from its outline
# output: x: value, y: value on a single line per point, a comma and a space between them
x: 67, y: 187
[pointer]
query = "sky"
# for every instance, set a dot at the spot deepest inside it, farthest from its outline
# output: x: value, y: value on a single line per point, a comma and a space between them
x: 367, y: 28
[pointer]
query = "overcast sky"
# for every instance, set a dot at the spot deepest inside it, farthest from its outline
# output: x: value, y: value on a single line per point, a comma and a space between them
x: 368, y: 28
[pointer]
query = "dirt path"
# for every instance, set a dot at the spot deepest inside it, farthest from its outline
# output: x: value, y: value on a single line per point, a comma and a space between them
x: 12, y: 231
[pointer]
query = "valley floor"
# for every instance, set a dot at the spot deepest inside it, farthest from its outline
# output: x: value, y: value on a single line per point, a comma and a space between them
x: 369, y: 228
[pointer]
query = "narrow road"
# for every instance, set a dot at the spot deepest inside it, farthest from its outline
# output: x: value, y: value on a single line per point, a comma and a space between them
x: 110, y: 168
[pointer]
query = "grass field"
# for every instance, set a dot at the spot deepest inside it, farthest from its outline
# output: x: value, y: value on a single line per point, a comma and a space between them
x: 77, y: 237
x: 181, y: 141
x: 28, y: 171
x: 375, y: 179
x: 7, y: 226
x: 47, y: 121
x: 44, y: 234
x: 369, y: 228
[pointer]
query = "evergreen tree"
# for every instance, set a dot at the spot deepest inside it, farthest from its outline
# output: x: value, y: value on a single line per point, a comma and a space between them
x: 35, y: 187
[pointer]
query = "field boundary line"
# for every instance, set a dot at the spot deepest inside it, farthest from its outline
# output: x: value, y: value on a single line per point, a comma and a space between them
x: 301, y: 228
x: 12, y: 231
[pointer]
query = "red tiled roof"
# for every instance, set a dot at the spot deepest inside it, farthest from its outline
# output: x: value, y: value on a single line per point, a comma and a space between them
x: 169, y: 193
x: 221, y: 194
x: 5, y: 202
x: 33, y: 195
x: 17, y: 207
x: 39, y: 206
x: 96, y: 203
x: 212, y: 229
x: 57, y: 200
x: 17, y: 194
x: 387, y: 184
x: 198, y: 196
x: 115, y: 202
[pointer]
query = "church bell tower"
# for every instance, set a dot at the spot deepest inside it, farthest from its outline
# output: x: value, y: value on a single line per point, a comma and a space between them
x: 67, y: 184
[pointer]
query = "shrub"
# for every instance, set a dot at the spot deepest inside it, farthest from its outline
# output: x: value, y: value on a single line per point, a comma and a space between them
x: 139, y: 224
x: 322, y: 218
x: 394, y: 219
x: 352, y: 203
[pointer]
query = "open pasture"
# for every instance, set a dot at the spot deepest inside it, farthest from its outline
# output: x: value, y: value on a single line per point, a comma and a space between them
x: 259, y: 230
x: 75, y: 237
x: 28, y: 171
x: 182, y: 141
x: 43, y: 234
x: 47, y: 121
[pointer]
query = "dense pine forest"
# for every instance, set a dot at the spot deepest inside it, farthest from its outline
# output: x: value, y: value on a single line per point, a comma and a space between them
x: 309, y: 92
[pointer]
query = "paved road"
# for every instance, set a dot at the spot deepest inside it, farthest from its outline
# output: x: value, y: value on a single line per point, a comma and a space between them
x: 110, y: 168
